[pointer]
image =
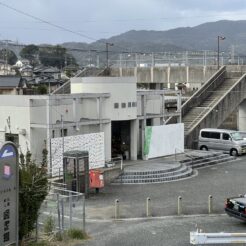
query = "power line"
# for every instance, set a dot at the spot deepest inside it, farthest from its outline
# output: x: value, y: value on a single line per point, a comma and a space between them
x: 52, y: 24
x: 47, y: 22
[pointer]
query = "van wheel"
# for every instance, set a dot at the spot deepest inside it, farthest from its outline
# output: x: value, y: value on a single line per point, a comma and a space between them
x: 233, y: 152
x: 205, y: 148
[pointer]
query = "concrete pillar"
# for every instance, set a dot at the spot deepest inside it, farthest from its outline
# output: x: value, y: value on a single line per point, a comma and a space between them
x: 99, y: 112
x: 152, y: 74
x: 168, y: 77
x: 48, y: 130
x: 143, y: 123
x: 157, y: 86
x: 75, y: 113
x: 242, y: 116
x: 179, y: 106
x: 135, y: 72
x: 143, y: 126
x: 134, y: 136
x: 107, y: 140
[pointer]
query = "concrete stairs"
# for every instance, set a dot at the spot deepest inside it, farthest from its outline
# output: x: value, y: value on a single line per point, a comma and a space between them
x: 210, y: 159
x: 210, y: 106
x: 197, y: 113
x: 170, y: 172
x: 179, y: 171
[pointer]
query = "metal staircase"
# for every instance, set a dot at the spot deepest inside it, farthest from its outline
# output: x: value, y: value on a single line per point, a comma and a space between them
x: 212, y: 104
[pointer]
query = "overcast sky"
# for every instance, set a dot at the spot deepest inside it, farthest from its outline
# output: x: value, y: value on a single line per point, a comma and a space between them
x: 96, y: 19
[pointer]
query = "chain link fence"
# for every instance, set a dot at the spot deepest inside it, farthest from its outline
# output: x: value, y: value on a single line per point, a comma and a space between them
x: 62, y: 210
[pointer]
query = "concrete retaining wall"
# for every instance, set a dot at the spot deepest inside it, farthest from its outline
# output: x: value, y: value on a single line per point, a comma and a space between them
x: 170, y: 75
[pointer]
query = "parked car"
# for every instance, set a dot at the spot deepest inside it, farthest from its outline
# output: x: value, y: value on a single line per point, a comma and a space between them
x: 221, y: 139
x: 236, y: 207
x: 243, y: 135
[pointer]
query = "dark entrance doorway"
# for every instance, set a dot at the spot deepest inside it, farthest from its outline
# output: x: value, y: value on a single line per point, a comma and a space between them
x: 121, y: 139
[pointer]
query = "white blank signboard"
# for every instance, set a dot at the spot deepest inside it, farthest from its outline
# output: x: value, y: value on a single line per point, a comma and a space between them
x: 165, y: 140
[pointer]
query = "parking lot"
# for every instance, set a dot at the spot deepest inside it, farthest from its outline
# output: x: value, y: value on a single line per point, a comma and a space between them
x: 166, y: 228
x: 220, y: 181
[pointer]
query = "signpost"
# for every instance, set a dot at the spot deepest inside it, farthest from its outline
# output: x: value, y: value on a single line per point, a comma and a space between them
x: 9, y: 194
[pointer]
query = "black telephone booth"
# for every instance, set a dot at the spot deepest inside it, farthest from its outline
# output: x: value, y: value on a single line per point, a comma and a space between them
x: 76, y: 170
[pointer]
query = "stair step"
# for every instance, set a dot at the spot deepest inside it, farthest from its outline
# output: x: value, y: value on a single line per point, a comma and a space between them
x: 157, y: 175
x: 156, y: 180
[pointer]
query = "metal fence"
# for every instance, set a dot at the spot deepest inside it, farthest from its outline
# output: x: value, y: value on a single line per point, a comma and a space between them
x: 65, y: 208
x: 186, y: 58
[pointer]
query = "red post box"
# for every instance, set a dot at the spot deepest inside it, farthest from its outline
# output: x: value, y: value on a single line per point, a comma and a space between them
x: 96, y: 179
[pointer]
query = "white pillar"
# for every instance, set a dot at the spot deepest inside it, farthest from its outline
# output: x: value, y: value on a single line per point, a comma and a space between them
x: 134, y: 135
x: 107, y: 140
x: 242, y: 116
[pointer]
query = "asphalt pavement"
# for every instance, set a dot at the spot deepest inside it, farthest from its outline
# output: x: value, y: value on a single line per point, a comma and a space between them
x: 220, y: 181
x: 169, y: 231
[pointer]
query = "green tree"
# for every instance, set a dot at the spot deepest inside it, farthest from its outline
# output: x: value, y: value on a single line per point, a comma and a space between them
x: 31, y: 53
x: 33, y: 188
x: 9, y: 55
x: 55, y: 56
x: 42, y: 89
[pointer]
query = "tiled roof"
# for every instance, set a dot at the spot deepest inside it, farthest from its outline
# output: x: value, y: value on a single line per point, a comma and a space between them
x: 9, y: 81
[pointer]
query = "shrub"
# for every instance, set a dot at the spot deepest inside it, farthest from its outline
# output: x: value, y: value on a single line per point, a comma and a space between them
x: 76, y: 234
x: 49, y: 225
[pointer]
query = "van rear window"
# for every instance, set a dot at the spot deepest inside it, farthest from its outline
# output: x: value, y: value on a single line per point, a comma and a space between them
x: 215, y: 135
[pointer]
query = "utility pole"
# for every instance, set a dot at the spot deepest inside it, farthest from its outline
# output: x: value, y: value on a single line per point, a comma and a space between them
x: 108, y: 44
x: 218, y: 51
x: 62, y: 134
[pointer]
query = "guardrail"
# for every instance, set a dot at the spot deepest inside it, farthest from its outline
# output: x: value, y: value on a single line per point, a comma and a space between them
x: 198, y: 238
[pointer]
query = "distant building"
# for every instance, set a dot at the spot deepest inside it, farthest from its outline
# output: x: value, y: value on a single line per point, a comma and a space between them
x: 12, y: 85
x: 21, y: 63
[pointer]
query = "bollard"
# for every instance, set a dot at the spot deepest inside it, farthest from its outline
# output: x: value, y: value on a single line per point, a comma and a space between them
x: 210, y: 204
x: 179, y: 205
x: 148, y: 207
x: 117, y: 209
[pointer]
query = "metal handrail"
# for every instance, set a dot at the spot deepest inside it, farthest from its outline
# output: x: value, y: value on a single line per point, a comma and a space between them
x: 218, y: 100
x: 205, y: 86
x: 203, y: 111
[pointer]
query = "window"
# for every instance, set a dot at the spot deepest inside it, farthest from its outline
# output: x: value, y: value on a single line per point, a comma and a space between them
x: 12, y: 138
x: 225, y: 136
x: 53, y: 133
x: 123, y: 105
x: 64, y: 133
x: 129, y: 104
x: 116, y: 105
x: 205, y: 134
x: 215, y: 135
x: 134, y: 104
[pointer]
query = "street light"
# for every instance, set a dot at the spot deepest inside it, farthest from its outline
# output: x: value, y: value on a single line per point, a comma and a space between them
x: 107, y: 45
x: 218, y: 55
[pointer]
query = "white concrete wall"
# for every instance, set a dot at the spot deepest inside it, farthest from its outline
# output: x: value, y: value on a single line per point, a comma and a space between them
x: 17, y: 108
x: 242, y: 116
x: 121, y: 89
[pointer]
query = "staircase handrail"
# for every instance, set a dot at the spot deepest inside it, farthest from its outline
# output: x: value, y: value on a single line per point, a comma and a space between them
x: 211, y: 108
x: 187, y: 105
x: 203, y: 111
x: 61, y: 87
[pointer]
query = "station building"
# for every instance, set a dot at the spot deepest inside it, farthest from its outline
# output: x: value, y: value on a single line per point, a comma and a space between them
x: 109, y: 105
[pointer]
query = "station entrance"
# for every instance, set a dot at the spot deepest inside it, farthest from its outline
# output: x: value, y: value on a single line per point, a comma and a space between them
x: 121, y: 139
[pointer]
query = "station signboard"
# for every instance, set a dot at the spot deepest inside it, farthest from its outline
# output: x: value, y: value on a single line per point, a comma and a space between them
x: 9, y: 183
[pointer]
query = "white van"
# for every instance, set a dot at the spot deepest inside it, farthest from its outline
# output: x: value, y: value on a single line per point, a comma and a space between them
x: 221, y: 139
